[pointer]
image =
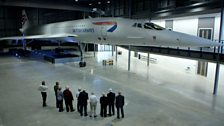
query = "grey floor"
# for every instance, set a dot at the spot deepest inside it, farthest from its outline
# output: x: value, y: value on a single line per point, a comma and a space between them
x: 154, y: 96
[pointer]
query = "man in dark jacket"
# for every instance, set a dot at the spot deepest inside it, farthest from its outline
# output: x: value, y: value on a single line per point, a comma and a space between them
x: 103, y: 105
x: 68, y: 99
x: 56, y: 87
x: 119, y: 105
x: 83, y: 97
x: 111, y: 99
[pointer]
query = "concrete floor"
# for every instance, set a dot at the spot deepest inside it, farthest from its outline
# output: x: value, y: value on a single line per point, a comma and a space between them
x: 154, y: 96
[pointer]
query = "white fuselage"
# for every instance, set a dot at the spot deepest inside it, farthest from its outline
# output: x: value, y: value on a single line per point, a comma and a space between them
x: 118, y: 31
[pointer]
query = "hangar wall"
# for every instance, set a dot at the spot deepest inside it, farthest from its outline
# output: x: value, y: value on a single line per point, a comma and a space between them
x: 189, y: 25
x: 9, y: 23
x: 10, y: 18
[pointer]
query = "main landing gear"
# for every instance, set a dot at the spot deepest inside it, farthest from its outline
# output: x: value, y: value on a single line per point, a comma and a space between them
x: 82, y: 46
x: 82, y: 64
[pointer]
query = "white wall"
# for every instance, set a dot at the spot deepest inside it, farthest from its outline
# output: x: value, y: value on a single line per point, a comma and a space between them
x: 188, y: 26
x: 159, y: 22
x: 217, y: 27
x: 185, y: 25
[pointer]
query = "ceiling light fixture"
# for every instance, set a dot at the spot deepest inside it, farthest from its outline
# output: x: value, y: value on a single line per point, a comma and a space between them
x: 90, y: 4
x: 94, y: 10
x: 108, y: 2
x: 99, y: 2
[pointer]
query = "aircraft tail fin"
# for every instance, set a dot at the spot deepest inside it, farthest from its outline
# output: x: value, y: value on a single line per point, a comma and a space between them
x: 25, y: 22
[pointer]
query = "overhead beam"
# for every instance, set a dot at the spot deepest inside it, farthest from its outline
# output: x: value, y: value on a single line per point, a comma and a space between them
x: 47, y: 5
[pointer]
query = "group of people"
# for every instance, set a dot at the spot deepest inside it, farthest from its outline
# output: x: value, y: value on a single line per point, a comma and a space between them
x: 107, y: 101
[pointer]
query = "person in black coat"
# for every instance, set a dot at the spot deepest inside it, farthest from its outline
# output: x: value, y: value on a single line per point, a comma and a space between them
x: 77, y: 97
x: 111, y: 99
x: 56, y: 87
x: 119, y: 105
x: 82, y: 98
x: 103, y: 105
x: 68, y: 99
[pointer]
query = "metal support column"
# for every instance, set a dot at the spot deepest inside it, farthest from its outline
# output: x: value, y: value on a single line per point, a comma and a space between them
x: 112, y: 50
x: 116, y: 53
x: 87, y: 47
x: 148, y: 60
x: 129, y: 57
x: 218, y: 64
x: 94, y: 48
x: 216, y: 78
x: 129, y: 48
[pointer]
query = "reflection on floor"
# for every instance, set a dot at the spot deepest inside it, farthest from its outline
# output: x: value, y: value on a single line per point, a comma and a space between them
x: 154, y: 96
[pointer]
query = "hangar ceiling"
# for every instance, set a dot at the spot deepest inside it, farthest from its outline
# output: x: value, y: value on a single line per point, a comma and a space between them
x: 135, y: 5
x: 48, y: 11
x: 80, y: 5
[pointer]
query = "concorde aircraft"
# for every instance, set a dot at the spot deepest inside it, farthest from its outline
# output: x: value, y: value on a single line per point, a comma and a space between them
x: 113, y: 31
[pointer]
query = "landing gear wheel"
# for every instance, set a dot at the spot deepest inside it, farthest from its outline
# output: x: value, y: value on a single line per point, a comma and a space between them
x: 82, y: 64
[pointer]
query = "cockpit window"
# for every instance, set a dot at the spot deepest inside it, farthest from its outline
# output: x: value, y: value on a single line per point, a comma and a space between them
x: 153, y: 26
x: 134, y: 25
x: 139, y: 25
x: 147, y: 26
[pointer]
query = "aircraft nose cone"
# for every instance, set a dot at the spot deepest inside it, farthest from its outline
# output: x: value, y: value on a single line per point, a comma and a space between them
x: 196, y: 41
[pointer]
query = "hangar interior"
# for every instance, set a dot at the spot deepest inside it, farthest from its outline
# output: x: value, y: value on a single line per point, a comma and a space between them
x: 160, y: 89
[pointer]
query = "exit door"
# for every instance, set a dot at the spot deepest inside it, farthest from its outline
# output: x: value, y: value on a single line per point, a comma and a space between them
x: 205, y: 33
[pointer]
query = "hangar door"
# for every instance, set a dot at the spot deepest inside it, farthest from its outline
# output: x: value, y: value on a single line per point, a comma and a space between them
x: 205, y: 30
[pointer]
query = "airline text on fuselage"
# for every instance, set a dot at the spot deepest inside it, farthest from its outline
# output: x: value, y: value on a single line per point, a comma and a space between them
x: 83, y: 30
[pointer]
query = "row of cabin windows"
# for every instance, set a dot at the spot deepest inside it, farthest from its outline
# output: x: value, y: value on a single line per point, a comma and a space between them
x: 151, y: 26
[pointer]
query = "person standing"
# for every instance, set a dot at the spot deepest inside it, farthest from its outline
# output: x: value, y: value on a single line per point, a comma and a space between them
x: 83, y: 97
x: 43, y: 89
x: 60, y: 97
x: 103, y: 105
x: 111, y: 99
x: 93, y: 103
x: 119, y: 105
x: 68, y: 99
x: 77, y: 97
x: 56, y: 86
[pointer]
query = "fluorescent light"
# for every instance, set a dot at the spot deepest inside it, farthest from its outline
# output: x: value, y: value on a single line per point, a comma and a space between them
x: 76, y: 0
x: 94, y: 10
x: 90, y: 4
x: 99, y: 2
x: 197, y: 9
x: 108, y: 1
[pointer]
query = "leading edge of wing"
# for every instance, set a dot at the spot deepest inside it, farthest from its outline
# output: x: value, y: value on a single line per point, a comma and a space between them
x: 47, y: 36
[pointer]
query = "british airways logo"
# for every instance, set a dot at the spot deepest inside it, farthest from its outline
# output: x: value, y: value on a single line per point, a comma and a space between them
x: 111, y: 29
